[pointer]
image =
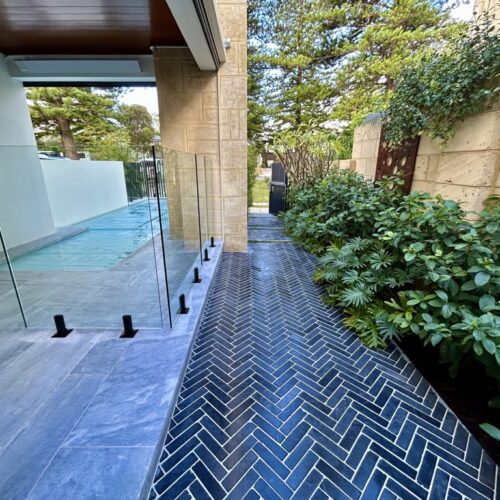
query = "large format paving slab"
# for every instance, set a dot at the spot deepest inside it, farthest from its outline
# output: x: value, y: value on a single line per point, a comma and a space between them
x: 85, y: 416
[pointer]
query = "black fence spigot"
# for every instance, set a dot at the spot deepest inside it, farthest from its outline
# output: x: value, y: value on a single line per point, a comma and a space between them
x: 197, y: 278
x: 182, y: 303
x: 61, y: 330
x: 129, y: 331
x: 212, y: 242
x: 207, y: 258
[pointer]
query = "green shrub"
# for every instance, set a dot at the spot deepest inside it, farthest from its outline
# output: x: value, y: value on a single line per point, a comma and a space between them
x: 454, y: 266
x: 359, y: 275
x: 342, y: 205
x: 446, y: 86
x: 405, y: 265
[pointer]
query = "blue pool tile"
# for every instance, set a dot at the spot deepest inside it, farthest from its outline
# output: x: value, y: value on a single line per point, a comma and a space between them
x: 266, y: 491
x: 308, y: 486
x: 211, y: 462
x: 245, y: 483
x: 301, y: 471
x: 332, y: 491
x: 439, y: 485
x: 276, y: 483
x: 208, y: 481
x: 198, y: 491
x: 238, y: 468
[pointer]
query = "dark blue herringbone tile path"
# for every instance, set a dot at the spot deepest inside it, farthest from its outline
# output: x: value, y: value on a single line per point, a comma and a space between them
x: 280, y: 400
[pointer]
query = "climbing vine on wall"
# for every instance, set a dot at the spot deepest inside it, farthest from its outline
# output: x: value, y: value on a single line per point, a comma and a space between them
x: 446, y: 86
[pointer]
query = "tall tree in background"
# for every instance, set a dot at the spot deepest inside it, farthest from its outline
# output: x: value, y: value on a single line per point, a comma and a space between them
x: 92, y: 120
x: 337, y: 60
x: 371, y: 44
x: 138, y: 124
x: 260, y: 28
x: 72, y: 114
x: 298, y: 87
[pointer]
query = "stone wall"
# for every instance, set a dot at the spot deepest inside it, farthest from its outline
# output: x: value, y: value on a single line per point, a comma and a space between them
x: 365, y: 146
x: 467, y: 170
x: 205, y: 112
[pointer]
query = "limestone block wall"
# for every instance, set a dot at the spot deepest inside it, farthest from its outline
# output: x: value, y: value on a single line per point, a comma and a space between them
x: 205, y: 112
x: 344, y: 164
x: 467, y: 170
x: 365, y: 147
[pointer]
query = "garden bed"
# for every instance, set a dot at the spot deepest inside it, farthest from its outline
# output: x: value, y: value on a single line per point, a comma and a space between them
x: 466, y: 395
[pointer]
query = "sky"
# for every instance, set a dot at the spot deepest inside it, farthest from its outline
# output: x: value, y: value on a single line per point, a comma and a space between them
x: 146, y: 96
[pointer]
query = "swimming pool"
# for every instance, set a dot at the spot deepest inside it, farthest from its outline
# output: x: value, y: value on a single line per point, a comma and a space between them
x: 109, y: 239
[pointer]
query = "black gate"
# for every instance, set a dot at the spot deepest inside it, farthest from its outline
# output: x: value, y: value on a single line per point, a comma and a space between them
x: 140, y: 179
x: 277, y: 194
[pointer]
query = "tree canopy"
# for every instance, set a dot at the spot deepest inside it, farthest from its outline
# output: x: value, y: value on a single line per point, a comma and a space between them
x: 331, y: 62
x: 90, y: 119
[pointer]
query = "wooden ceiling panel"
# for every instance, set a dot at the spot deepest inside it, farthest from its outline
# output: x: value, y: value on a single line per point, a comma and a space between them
x: 68, y: 27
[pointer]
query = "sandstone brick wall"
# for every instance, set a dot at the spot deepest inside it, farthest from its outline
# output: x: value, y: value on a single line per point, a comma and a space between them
x: 467, y: 170
x: 365, y: 147
x: 205, y: 112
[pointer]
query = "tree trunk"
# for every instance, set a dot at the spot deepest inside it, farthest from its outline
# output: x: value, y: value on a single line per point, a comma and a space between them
x: 67, y: 139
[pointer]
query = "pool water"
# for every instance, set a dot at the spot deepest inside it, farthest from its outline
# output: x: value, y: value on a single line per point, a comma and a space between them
x: 109, y: 239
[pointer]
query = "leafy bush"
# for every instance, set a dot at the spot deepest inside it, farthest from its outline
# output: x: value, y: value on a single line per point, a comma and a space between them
x: 405, y: 265
x: 446, y: 86
x: 342, y: 205
x: 359, y: 274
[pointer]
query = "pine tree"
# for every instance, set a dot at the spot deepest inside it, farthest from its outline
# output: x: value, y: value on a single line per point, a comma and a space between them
x: 73, y: 114
x: 371, y: 43
x: 326, y: 60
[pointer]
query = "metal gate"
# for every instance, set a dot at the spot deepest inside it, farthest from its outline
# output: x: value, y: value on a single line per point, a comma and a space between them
x: 400, y: 160
x: 140, y: 179
x: 277, y: 193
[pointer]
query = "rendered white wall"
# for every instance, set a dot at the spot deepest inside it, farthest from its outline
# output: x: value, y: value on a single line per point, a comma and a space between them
x: 79, y: 190
x: 24, y: 207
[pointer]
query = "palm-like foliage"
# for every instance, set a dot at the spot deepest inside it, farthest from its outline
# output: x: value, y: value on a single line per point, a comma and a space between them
x: 357, y: 274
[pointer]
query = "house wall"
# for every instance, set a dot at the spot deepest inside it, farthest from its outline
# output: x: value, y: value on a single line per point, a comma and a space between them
x: 25, y: 213
x: 79, y: 190
x: 205, y: 112
x: 467, y: 170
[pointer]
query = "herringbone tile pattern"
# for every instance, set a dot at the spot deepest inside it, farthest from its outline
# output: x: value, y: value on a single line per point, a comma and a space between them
x: 280, y: 400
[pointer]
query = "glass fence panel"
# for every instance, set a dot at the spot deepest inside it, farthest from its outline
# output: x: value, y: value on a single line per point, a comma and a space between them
x: 11, y: 314
x: 87, y: 245
x: 213, y: 198
x: 181, y: 225
x: 202, y: 201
